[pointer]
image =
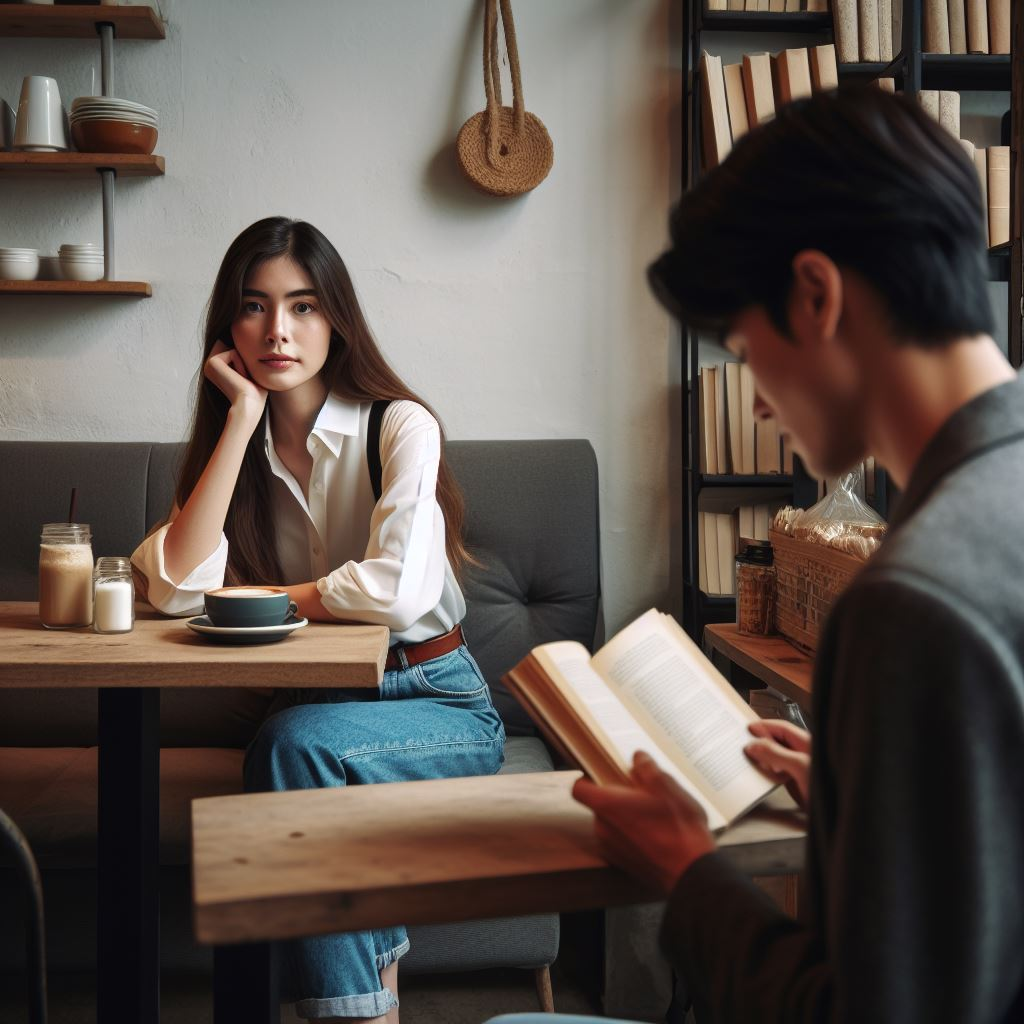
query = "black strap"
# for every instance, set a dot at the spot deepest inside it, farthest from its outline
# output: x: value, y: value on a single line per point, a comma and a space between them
x: 373, y: 444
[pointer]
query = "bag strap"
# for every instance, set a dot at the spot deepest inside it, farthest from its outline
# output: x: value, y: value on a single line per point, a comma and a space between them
x: 492, y: 77
x: 373, y: 464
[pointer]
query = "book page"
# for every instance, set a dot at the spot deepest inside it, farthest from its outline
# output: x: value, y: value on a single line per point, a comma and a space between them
x: 604, y: 713
x: 688, y: 707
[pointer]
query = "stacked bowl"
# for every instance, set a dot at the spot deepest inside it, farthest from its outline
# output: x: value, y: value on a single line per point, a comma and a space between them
x: 81, y: 262
x: 103, y: 124
x: 19, y: 264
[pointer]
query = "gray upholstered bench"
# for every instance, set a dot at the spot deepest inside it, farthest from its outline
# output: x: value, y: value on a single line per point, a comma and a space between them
x: 532, y: 521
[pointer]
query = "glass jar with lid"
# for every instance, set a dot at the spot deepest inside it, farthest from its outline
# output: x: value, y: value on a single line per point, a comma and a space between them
x: 113, y: 596
x: 755, y: 589
x: 65, y: 575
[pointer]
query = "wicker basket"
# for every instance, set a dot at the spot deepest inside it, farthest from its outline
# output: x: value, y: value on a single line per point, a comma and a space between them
x: 810, y: 578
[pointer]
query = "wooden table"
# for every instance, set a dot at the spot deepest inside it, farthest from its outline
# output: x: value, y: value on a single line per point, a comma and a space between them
x: 273, y: 866
x: 770, y: 659
x: 129, y: 669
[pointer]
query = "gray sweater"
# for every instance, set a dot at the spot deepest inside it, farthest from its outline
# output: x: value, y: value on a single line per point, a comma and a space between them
x: 914, y: 903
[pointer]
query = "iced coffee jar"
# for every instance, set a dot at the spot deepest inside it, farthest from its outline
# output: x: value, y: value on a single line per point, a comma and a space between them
x: 65, y: 575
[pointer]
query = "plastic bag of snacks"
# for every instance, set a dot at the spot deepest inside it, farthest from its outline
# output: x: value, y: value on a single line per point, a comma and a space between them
x: 841, y: 520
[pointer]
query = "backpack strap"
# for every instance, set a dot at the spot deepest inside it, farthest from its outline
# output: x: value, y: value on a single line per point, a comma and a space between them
x: 373, y: 444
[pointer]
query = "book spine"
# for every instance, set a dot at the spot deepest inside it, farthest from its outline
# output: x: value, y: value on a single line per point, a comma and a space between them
x: 844, y: 23
x: 998, y: 195
x: 999, y: 26
x: 735, y: 100
x: 935, y: 15
x: 714, y: 112
x: 824, y: 72
x: 949, y: 112
x: 957, y: 26
x: 717, y: 5
x: 736, y: 5
x: 968, y: 148
x: 721, y: 418
x: 817, y: 6
x: 929, y: 99
x: 792, y: 6
x: 981, y: 163
x: 757, y: 88
x: 885, y: 49
x: 886, y: 84
x: 867, y: 29
x: 977, y: 26
x: 777, y: 6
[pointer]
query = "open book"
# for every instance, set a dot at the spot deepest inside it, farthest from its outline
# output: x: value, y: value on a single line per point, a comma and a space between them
x: 649, y: 688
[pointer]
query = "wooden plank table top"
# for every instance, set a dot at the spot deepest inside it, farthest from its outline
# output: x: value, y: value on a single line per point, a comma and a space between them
x: 772, y: 659
x: 164, y: 652
x: 279, y: 865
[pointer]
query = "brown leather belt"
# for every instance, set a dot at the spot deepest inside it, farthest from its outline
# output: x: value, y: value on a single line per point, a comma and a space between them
x: 416, y: 654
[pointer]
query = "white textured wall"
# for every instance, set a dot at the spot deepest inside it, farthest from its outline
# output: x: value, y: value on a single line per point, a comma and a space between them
x: 527, y: 318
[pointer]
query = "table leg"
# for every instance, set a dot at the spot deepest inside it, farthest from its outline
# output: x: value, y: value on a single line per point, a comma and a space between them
x: 246, y: 984
x: 128, y: 863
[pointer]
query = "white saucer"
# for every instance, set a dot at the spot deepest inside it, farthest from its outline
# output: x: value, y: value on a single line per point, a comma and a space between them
x: 244, y: 634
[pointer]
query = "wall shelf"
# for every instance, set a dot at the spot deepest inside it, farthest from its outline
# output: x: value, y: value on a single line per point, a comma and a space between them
x: 127, y: 165
x: 132, y: 289
x: 28, y: 21
x: 968, y: 71
x: 745, y: 480
x: 748, y: 21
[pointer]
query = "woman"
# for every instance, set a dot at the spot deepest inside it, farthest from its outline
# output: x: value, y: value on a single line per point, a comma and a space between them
x: 276, y: 488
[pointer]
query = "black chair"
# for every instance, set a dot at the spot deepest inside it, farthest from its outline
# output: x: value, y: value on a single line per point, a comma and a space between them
x: 13, y: 840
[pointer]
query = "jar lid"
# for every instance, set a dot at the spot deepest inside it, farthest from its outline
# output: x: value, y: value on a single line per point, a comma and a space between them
x: 66, y: 533
x: 114, y: 565
x: 756, y: 552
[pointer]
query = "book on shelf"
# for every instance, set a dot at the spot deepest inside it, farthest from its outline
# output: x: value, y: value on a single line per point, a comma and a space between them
x: 999, y: 26
x: 981, y: 163
x: 649, y: 688
x: 726, y: 549
x: 748, y: 447
x: 714, y: 111
x: 929, y: 99
x: 867, y: 30
x: 734, y: 409
x: 957, y: 26
x: 998, y: 195
x: 708, y: 415
x: 844, y: 18
x: 968, y: 148
x: 824, y: 72
x: 886, y: 85
x: 735, y: 100
x: 791, y: 75
x: 757, y: 88
x: 935, y: 26
x: 721, y: 421
x: 736, y: 5
x: 717, y: 5
x: 818, y: 6
x: 885, y: 45
x: 777, y: 6
x: 977, y: 26
x: 709, y: 556
x: 949, y: 112
x: 768, y: 448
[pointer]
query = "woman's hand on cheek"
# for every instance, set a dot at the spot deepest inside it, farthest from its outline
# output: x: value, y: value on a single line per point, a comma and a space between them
x: 226, y: 371
x: 652, y: 828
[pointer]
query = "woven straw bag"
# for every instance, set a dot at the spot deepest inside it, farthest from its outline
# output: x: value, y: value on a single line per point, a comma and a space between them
x: 504, y: 150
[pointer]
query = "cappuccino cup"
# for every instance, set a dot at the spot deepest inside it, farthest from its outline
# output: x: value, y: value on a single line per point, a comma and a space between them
x: 245, y: 607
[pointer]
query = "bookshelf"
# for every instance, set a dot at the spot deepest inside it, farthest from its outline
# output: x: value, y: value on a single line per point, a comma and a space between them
x: 913, y: 70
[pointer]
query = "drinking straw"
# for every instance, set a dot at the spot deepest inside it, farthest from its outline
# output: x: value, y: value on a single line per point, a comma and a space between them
x: 71, y: 510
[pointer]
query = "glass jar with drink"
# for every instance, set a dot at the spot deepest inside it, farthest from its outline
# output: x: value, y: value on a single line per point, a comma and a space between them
x: 65, y: 575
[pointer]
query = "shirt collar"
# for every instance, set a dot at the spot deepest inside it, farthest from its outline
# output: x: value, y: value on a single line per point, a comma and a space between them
x: 338, y: 418
x: 990, y: 420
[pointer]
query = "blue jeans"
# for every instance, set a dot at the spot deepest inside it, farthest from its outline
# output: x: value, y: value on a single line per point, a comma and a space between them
x: 430, y: 721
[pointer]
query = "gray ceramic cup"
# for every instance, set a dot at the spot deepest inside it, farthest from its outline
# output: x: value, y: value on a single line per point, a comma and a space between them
x: 245, y: 607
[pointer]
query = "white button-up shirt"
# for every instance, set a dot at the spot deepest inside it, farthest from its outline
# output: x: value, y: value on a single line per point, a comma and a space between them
x: 382, y: 562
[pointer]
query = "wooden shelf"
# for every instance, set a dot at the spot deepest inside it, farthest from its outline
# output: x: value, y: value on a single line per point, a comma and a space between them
x: 781, y: 480
x: 870, y: 69
x: 969, y: 71
x: 771, y: 659
x: 28, y: 21
x: 134, y: 289
x: 127, y: 165
x: 743, y: 21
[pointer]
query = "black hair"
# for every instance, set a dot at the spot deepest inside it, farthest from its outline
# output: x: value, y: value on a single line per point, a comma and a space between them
x: 869, y: 179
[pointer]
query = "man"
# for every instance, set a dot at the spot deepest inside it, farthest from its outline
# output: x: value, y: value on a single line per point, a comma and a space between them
x: 841, y: 248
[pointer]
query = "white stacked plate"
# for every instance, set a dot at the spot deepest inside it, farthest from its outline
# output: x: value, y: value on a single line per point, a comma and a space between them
x: 107, y: 108
x: 81, y: 261
x: 19, y: 264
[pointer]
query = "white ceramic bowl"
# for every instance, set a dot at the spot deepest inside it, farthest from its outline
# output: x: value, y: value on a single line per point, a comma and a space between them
x: 19, y: 268
x: 81, y: 270
x: 14, y: 251
x: 84, y: 249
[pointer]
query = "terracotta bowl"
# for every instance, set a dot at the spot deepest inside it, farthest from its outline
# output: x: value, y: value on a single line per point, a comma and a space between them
x: 113, y: 137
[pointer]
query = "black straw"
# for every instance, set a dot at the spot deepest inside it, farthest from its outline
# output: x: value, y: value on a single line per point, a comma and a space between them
x: 71, y: 510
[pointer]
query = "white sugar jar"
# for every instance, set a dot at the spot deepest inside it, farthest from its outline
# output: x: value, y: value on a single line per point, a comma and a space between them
x: 113, y: 596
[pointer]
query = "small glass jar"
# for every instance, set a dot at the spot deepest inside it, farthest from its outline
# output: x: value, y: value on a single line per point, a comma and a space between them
x: 755, y: 589
x: 65, y: 575
x: 113, y: 596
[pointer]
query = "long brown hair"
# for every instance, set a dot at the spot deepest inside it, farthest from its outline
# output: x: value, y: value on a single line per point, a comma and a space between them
x: 355, y: 369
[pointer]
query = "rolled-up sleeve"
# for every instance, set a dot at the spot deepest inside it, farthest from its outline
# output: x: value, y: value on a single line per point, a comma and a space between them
x: 186, y: 597
x: 402, y: 575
